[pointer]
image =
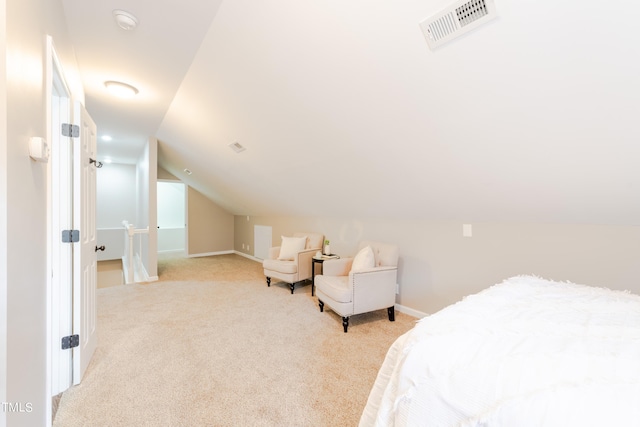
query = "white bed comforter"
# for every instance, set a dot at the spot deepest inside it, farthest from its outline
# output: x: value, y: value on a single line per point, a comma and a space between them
x: 526, y: 352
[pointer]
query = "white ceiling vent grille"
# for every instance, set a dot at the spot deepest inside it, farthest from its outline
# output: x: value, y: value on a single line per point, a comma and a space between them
x: 456, y: 20
x: 237, y: 147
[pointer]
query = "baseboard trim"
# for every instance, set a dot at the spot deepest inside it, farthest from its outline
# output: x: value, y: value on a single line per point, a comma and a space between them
x: 251, y: 257
x: 209, y: 254
x: 172, y: 252
x: 410, y: 311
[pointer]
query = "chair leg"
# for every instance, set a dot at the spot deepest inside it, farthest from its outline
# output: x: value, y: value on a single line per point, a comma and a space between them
x: 292, y: 285
x: 321, y: 304
x: 269, y: 281
x: 392, y: 313
x: 345, y: 323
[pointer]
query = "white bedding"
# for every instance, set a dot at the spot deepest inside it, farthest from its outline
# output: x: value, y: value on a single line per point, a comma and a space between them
x: 526, y: 352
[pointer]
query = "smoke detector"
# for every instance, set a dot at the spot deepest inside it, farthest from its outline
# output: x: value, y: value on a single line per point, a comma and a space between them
x: 457, y: 19
x: 125, y: 20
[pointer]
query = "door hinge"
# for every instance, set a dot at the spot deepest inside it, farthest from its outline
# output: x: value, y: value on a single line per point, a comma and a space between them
x: 70, y: 342
x: 70, y: 236
x: 70, y: 130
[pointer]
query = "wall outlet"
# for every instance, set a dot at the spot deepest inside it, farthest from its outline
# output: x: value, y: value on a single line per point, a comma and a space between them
x: 243, y: 246
x: 397, y: 288
x: 248, y: 247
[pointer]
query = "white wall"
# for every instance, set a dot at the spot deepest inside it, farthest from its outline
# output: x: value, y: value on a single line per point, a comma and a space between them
x: 23, y: 197
x: 116, y: 195
x: 171, y: 216
x: 3, y: 212
x: 115, y: 202
x: 171, y: 204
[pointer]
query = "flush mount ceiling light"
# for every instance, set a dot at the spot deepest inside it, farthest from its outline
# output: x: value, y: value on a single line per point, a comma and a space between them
x: 120, y: 89
x: 125, y: 20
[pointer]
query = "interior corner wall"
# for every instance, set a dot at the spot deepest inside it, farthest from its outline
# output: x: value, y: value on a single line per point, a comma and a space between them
x: 243, y: 227
x: 210, y: 228
x: 438, y: 266
x: 163, y: 174
x: 24, y: 200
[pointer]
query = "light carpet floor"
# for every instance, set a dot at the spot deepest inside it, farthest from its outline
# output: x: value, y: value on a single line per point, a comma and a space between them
x: 210, y: 344
x: 110, y: 273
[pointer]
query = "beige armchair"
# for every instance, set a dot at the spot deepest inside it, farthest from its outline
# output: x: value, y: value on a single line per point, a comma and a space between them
x: 361, y: 284
x: 291, y: 261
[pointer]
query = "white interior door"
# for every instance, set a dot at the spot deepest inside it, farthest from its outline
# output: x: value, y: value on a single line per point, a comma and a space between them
x: 84, y: 257
x: 61, y: 218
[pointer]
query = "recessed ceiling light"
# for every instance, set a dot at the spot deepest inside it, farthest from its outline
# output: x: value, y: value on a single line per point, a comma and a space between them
x: 187, y: 171
x: 107, y: 160
x: 106, y: 138
x: 120, y: 89
x: 125, y: 20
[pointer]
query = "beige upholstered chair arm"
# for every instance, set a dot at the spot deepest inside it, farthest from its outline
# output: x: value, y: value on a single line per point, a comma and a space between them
x: 377, y: 269
x: 337, y: 267
x: 304, y: 263
x: 373, y: 289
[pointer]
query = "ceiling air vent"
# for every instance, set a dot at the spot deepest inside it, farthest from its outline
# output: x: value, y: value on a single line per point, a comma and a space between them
x: 237, y: 147
x: 456, y: 20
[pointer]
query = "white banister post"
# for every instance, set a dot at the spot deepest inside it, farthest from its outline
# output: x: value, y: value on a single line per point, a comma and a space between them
x: 128, y: 258
x: 130, y: 231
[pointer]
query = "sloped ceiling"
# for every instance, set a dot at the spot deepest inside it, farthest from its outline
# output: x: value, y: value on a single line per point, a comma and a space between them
x: 154, y: 58
x: 344, y: 111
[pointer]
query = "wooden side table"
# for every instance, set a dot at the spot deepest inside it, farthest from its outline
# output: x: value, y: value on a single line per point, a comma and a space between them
x: 315, y: 260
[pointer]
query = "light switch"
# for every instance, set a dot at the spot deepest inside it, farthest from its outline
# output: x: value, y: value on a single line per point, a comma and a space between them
x: 466, y: 230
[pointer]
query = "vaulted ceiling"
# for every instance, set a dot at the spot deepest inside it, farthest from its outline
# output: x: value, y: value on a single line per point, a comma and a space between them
x: 345, y: 111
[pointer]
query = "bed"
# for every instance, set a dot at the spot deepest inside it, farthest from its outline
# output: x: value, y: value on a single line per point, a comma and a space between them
x: 525, y: 352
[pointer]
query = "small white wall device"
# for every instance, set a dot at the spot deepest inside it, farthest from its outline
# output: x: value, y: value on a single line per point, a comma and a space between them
x: 38, y: 149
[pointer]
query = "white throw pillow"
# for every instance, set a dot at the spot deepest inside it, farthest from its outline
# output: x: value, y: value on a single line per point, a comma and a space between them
x: 290, y: 247
x: 364, y: 259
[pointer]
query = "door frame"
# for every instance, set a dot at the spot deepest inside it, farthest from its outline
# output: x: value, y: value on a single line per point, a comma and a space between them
x: 59, y: 255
